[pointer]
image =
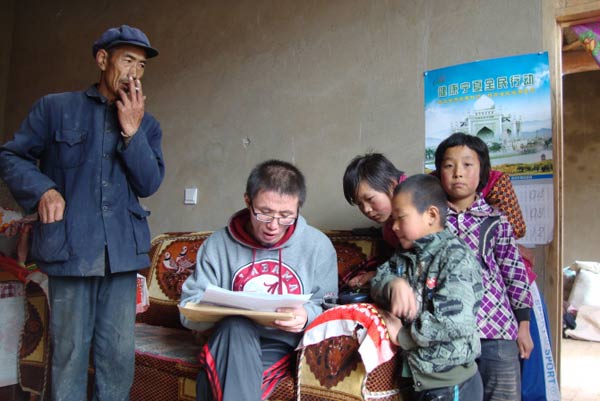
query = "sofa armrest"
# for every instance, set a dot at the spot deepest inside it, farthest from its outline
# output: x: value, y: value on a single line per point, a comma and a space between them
x: 361, y: 321
x: 346, y: 354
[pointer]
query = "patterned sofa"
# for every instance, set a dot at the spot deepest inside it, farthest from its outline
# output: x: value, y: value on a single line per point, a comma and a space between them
x: 329, y: 368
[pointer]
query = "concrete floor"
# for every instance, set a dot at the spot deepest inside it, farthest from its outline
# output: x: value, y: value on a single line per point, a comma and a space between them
x: 580, y: 370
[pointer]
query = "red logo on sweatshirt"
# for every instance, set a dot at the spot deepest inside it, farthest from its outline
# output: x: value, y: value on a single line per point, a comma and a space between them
x: 267, y: 276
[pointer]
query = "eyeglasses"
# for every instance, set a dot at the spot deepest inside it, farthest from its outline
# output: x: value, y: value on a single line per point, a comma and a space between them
x: 265, y: 218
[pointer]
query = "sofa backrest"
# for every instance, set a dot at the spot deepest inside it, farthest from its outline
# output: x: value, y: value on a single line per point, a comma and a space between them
x: 173, y: 259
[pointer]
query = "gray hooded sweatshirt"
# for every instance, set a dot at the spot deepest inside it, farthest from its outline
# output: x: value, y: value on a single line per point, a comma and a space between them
x: 303, y: 262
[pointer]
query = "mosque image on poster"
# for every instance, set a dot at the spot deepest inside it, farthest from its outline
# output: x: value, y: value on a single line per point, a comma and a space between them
x: 489, y: 123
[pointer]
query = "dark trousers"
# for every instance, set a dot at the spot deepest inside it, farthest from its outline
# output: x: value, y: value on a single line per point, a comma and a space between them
x: 98, y: 312
x: 500, y: 370
x: 469, y: 390
x: 238, y: 364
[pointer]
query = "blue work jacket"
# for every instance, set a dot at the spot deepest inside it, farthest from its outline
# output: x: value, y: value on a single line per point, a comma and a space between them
x: 72, y: 142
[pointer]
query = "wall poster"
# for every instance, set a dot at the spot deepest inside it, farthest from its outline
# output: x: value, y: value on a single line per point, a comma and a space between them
x: 507, y: 103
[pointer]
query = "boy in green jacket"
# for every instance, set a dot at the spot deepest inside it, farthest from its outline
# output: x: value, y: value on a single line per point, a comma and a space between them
x: 430, y: 291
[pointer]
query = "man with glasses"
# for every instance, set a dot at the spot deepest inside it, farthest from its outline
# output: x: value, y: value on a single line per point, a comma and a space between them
x: 267, y: 247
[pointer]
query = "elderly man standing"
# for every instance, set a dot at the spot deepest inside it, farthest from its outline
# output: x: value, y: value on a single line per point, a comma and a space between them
x: 82, y: 159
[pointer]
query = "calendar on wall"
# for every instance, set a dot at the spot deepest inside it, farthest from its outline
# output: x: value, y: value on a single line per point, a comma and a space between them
x: 536, y: 199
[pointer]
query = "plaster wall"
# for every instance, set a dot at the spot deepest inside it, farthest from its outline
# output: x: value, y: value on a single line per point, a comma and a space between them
x: 6, y: 27
x: 7, y: 245
x: 237, y: 82
x: 581, y: 101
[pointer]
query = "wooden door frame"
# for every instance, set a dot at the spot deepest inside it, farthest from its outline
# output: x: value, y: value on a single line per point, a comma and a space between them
x: 564, y: 13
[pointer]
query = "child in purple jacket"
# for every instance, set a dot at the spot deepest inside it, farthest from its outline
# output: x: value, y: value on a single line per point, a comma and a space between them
x: 463, y: 164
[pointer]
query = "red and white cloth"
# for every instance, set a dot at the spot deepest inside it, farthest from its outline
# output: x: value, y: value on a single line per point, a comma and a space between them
x: 361, y: 321
x: 142, y: 302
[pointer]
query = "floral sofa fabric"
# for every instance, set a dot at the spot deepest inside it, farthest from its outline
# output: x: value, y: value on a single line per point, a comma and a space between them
x: 165, y: 356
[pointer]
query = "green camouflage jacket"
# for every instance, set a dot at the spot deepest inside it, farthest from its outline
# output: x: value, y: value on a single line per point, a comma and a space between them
x: 441, y: 344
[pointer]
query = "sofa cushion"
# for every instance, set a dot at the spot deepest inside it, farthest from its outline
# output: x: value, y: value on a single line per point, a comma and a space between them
x: 166, y: 366
x: 173, y: 258
x: 167, y: 344
x: 354, y: 249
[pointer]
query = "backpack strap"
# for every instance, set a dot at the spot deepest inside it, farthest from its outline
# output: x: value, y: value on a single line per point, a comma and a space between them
x: 487, y: 229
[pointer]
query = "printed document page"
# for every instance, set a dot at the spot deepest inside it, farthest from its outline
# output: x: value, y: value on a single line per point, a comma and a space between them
x: 252, y: 300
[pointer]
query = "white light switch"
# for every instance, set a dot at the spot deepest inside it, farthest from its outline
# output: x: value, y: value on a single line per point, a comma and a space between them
x: 191, y: 196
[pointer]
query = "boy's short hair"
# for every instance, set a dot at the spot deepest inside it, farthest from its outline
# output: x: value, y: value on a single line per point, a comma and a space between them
x: 425, y: 190
x: 475, y: 144
x: 375, y: 169
x: 278, y: 176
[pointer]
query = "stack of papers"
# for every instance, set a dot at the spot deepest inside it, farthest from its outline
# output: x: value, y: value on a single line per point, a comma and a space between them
x: 252, y: 300
x: 218, y: 303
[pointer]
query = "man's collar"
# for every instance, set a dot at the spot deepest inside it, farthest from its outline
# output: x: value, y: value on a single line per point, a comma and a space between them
x: 93, y: 93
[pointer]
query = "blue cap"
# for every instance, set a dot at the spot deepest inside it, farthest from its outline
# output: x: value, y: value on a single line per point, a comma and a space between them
x: 124, y: 35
